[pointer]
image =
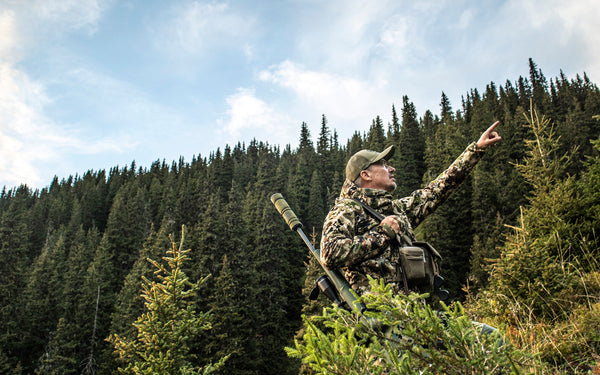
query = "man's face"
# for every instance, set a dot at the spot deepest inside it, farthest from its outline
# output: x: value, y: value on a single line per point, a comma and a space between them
x: 382, y: 176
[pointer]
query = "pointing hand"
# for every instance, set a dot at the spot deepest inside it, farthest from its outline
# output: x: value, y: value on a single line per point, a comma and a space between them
x: 489, y: 137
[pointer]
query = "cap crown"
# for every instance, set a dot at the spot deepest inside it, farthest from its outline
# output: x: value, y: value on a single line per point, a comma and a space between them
x: 362, y: 159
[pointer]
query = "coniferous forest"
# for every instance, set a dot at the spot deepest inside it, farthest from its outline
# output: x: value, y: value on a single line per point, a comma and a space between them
x: 75, y: 254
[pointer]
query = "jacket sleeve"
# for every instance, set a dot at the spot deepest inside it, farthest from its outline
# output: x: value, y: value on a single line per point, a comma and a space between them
x: 424, y: 201
x: 341, y: 246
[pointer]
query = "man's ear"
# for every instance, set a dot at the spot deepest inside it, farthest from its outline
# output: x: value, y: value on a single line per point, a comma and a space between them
x: 365, y: 175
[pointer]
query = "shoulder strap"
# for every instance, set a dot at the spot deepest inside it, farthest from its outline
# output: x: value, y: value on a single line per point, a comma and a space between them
x: 379, y: 217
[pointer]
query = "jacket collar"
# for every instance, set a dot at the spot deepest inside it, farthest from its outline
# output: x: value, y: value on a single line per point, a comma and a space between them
x: 373, y: 197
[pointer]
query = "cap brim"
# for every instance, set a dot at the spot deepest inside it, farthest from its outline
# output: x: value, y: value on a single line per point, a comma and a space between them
x: 385, y: 154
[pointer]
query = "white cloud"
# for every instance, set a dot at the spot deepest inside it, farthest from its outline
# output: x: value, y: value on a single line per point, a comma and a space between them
x: 198, y: 27
x: 28, y: 139
x: 344, y: 98
x: 247, y: 115
x: 465, y: 19
x: 8, y: 36
x: 573, y: 24
x: 395, y: 34
x: 70, y: 14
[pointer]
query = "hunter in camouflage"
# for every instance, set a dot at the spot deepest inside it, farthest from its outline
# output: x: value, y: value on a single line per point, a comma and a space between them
x: 356, y: 243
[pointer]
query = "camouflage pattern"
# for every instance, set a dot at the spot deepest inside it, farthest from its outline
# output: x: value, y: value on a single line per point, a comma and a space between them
x: 356, y: 243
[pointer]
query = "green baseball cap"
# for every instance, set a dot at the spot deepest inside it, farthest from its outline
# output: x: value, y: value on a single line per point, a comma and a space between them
x: 362, y: 159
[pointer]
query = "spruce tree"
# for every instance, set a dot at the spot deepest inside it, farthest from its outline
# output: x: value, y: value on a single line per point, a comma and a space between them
x: 299, y: 191
x: 16, y: 258
x: 376, y: 136
x: 276, y: 280
x: 42, y: 297
x: 161, y: 345
x: 548, y: 262
x: 409, y: 157
x: 325, y: 160
x: 316, y: 206
x: 448, y: 229
x: 400, y: 335
x: 355, y: 144
x: 69, y: 344
x: 129, y: 303
x: 394, y: 128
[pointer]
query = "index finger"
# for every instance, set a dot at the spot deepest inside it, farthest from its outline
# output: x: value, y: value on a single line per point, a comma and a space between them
x: 491, y: 128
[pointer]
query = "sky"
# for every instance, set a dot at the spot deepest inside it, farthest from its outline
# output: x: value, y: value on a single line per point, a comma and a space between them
x: 96, y: 84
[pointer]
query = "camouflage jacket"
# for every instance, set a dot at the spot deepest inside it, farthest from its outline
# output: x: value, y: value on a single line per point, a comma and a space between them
x: 356, y: 243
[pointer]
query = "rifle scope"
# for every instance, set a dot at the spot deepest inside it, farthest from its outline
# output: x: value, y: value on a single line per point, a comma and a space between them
x: 284, y: 209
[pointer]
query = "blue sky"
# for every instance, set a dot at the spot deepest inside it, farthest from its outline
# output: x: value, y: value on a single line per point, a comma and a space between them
x: 93, y: 84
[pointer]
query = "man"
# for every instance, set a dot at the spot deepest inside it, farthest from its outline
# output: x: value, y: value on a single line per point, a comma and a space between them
x: 356, y: 243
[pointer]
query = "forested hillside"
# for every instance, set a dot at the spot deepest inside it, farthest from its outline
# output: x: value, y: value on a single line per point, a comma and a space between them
x: 74, y: 253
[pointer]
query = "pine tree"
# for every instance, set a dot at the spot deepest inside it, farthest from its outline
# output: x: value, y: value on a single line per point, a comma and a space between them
x: 401, y: 335
x: 548, y: 262
x: 449, y: 228
x: 165, y: 330
x: 410, y: 151
x: 233, y: 300
x: 299, y: 191
x: 376, y: 136
x: 316, y: 206
x: 394, y: 128
x: 42, y: 296
x: 16, y: 258
x: 69, y: 344
x: 129, y: 303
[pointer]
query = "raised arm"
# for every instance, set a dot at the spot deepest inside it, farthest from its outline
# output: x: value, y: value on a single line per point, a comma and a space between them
x: 424, y: 201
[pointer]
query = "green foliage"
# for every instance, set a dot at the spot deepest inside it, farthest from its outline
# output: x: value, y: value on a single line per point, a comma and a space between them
x: 402, y: 335
x: 161, y: 345
x: 543, y: 289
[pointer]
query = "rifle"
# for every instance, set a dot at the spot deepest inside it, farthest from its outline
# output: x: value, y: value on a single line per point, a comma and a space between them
x: 333, y: 284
